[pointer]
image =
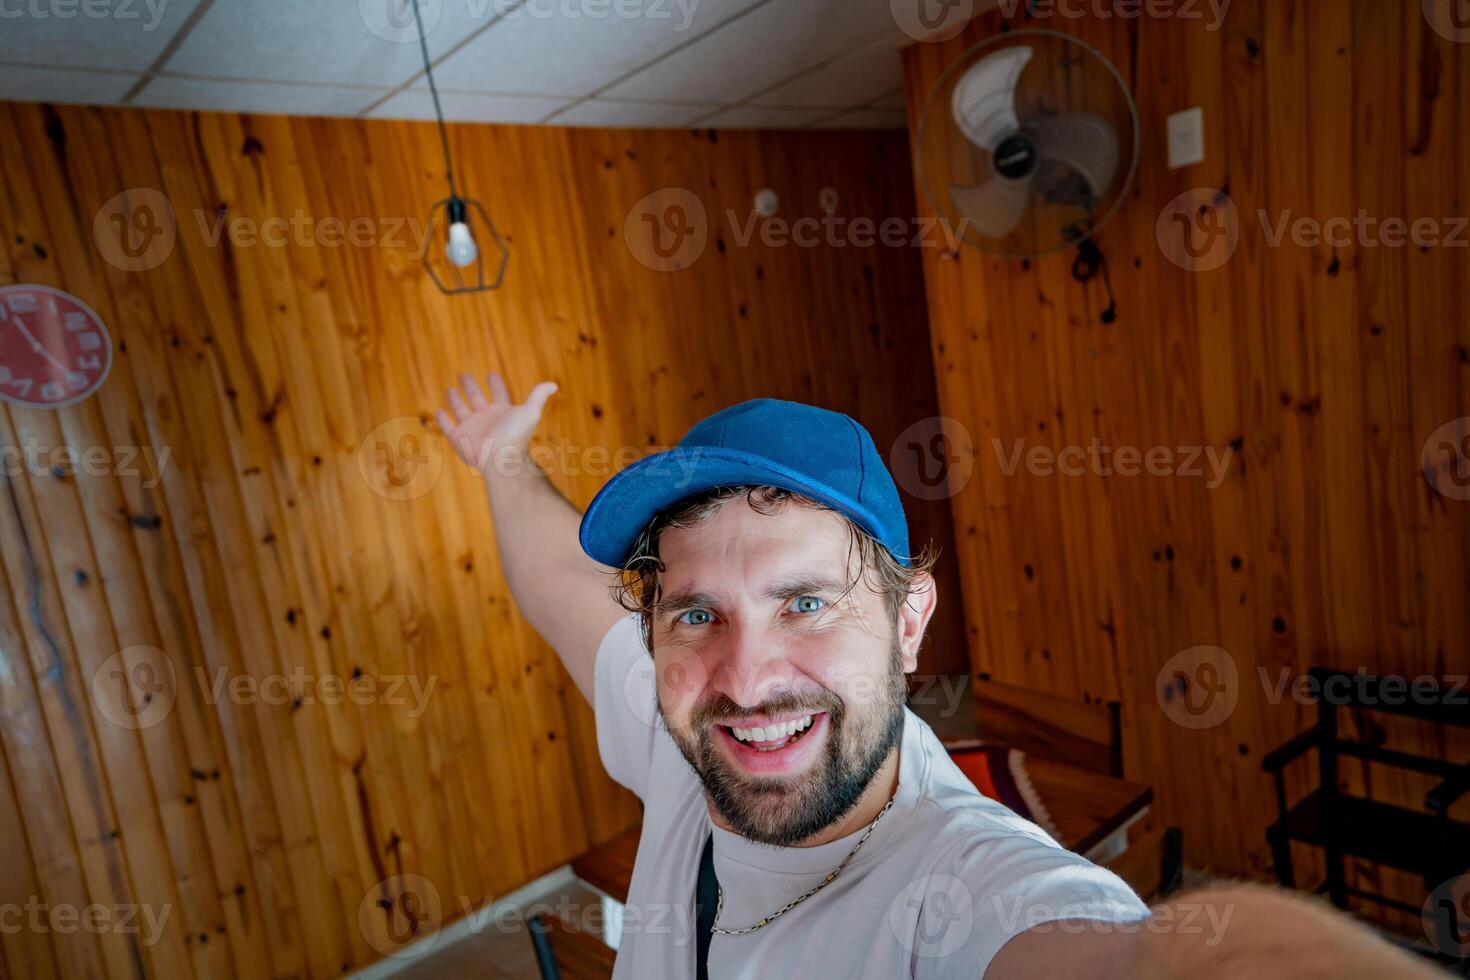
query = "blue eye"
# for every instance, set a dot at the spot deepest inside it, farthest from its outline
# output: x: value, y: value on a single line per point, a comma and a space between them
x: 807, y: 603
x: 696, y: 622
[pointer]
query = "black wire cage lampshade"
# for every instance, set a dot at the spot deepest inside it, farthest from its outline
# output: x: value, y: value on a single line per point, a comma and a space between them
x: 456, y: 214
x: 466, y: 259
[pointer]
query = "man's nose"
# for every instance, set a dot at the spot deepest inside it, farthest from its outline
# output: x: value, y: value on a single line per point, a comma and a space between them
x: 752, y: 666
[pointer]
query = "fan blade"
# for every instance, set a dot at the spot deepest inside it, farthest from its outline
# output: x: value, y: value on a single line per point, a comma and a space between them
x: 984, y: 99
x: 993, y: 208
x: 1083, y: 141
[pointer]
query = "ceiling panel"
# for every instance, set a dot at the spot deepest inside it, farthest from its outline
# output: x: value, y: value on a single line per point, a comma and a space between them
x: 855, y: 78
x: 19, y: 84
x: 111, y: 35
x: 470, y: 107
x: 165, y: 92
x: 626, y: 63
x: 635, y: 115
x: 543, y: 48
x: 762, y: 49
x: 762, y: 117
x: 351, y: 42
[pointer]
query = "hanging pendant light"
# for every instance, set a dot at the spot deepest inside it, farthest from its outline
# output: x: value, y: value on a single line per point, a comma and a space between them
x: 461, y: 250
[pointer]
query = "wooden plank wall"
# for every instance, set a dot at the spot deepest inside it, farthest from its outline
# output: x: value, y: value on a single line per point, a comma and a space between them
x: 1328, y: 369
x: 263, y: 546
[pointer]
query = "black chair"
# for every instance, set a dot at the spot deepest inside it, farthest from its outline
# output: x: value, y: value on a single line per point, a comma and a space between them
x: 1427, y: 844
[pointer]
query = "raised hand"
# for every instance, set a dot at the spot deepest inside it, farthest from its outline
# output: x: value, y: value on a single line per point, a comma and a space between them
x: 480, y: 427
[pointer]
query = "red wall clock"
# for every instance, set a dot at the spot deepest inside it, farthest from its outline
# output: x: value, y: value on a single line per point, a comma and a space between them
x: 54, y: 350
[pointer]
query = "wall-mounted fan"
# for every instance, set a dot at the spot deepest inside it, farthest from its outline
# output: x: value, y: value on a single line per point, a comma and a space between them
x: 1028, y: 143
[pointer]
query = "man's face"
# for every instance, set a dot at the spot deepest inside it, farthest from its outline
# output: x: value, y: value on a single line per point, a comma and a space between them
x: 758, y: 631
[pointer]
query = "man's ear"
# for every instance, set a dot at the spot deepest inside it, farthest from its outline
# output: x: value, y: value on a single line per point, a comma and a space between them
x: 913, y: 618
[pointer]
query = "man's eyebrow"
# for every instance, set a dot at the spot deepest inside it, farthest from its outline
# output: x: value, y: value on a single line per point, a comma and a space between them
x: 804, y: 585
x: 791, y: 588
x: 684, y: 601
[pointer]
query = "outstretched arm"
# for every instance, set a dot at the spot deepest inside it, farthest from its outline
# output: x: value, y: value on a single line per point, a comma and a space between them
x: 1226, y: 932
x: 561, y: 592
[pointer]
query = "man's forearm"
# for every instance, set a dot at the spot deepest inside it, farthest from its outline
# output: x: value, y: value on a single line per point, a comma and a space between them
x: 1258, y: 931
x: 561, y: 592
x: 535, y: 526
x: 1218, y: 933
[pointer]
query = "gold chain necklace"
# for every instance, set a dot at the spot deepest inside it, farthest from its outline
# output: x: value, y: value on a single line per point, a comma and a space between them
x: 720, y: 903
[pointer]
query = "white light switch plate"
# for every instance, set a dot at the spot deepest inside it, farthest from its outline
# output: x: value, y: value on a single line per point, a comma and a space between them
x: 1186, y: 138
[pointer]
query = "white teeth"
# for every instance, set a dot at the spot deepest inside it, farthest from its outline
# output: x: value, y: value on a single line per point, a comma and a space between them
x: 769, y: 733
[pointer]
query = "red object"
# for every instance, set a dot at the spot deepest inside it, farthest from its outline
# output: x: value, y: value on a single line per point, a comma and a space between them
x: 999, y: 772
x: 54, y: 350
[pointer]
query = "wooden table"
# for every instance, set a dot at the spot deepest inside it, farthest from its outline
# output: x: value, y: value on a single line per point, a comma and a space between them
x: 1086, y: 807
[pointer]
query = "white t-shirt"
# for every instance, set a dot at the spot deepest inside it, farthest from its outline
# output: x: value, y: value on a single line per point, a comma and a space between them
x: 945, y: 879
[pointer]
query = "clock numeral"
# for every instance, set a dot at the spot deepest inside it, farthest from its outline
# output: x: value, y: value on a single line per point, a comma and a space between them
x: 24, y: 384
x: 23, y: 303
x: 89, y: 341
x: 89, y: 362
x: 53, y: 391
x: 76, y: 321
x: 76, y: 379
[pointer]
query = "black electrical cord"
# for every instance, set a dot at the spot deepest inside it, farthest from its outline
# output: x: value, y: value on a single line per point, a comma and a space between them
x: 434, y: 91
x: 456, y: 207
x: 1089, y: 263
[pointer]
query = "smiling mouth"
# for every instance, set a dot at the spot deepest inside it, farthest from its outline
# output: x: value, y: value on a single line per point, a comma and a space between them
x: 772, y: 738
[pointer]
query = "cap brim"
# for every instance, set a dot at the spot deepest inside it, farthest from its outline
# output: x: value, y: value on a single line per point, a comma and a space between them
x: 631, y: 499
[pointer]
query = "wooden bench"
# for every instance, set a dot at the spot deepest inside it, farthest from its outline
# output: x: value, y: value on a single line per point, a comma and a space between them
x: 1074, y: 752
x: 1084, y: 734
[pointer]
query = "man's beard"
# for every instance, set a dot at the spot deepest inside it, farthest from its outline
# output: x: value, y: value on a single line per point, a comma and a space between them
x: 782, y: 811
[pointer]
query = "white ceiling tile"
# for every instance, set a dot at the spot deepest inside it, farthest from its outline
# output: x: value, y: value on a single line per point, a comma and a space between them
x: 865, y: 119
x: 107, y: 34
x: 855, y: 78
x: 557, y: 47
x: 635, y: 115
x: 167, y: 92
x: 23, y: 84
x: 469, y: 107
x: 344, y: 42
x: 765, y: 47
x: 516, y: 61
x: 761, y: 117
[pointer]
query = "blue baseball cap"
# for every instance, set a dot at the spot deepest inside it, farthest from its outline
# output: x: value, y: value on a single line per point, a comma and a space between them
x: 765, y: 442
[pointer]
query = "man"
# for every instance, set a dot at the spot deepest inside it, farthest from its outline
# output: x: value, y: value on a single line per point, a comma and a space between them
x: 765, y: 563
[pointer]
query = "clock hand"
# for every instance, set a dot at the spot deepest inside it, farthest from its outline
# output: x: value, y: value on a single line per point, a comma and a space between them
x: 39, y: 348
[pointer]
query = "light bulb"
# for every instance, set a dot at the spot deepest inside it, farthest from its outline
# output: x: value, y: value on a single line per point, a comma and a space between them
x: 461, y: 249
